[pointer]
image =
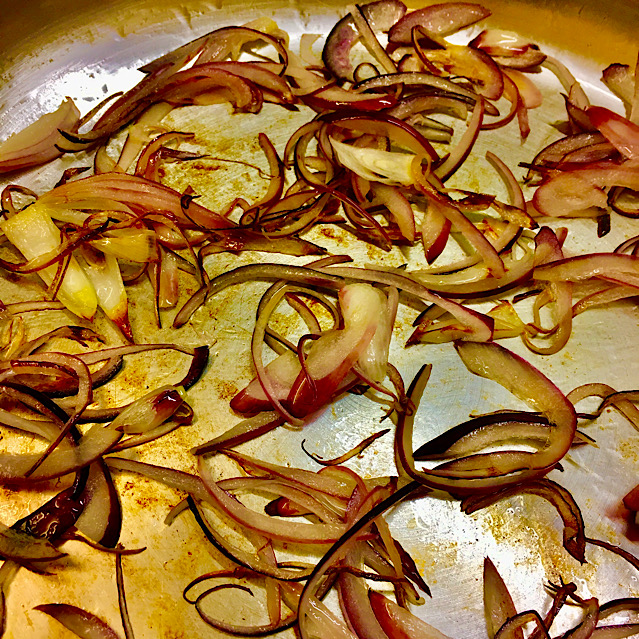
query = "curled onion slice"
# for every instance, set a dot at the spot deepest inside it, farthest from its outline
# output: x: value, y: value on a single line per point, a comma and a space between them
x: 39, y: 142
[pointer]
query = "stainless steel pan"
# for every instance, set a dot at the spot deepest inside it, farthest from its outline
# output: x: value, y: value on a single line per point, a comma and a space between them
x: 54, y: 48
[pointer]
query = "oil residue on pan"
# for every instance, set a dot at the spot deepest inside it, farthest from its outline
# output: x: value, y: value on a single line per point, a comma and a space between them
x: 226, y: 154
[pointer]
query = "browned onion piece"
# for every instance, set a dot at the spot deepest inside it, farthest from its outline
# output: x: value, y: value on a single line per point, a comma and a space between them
x: 385, y: 126
x: 610, y: 396
x: 471, y: 64
x: 197, y: 84
x: 619, y: 131
x: 548, y: 250
x: 370, y: 39
x: 449, y: 209
x: 624, y: 202
x: 25, y: 548
x: 508, y: 49
x: 619, y: 79
x: 399, y: 622
x: 316, y: 482
x: 463, y: 148
x: 236, y: 240
x: 580, y: 192
x: 240, y: 630
x: 321, y: 533
x: 451, y: 89
x: 34, y: 467
x: 355, y: 604
x: 607, y: 295
x: 435, y: 232
x: 514, y: 190
x: 580, y: 147
x: 176, y: 479
x: 149, y: 159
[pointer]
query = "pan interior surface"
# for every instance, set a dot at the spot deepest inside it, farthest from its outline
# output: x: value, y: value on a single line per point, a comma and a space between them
x: 58, y: 48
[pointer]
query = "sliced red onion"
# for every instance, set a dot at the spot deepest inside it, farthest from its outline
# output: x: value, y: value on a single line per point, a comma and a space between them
x: 486, y: 431
x: 509, y: 49
x: 451, y: 88
x: 240, y: 630
x: 320, y: 621
x: 448, y: 208
x: 514, y: 190
x: 479, y: 471
x: 80, y: 622
x: 136, y: 192
x: 619, y: 79
x: 568, y: 82
x: 548, y: 250
x: 531, y: 96
x: 179, y: 480
x: 619, y: 131
x: 39, y: 142
x: 245, y: 431
x: 245, y: 558
x: 276, y: 529
x: 574, y: 540
x: 471, y: 64
x: 438, y: 19
x: 400, y: 623
x: 581, y: 191
x: 101, y: 517
x: 340, y: 549
x: 22, y: 547
x: 464, y: 146
x: 435, y: 232
x: 609, y: 266
x: 355, y: 605
x: 122, y: 602
x: 256, y: 271
x: 380, y: 15
x: 218, y: 45
x: 370, y: 40
x: 315, y: 482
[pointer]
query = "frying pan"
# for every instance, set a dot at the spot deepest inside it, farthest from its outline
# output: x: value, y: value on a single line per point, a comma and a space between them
x: 55, y: 48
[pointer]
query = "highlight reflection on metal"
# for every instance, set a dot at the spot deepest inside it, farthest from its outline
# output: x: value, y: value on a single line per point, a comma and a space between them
x: 88, y: 50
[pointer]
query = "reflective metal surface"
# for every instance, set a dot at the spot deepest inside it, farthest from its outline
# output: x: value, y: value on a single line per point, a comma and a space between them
x: 55, y: 48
